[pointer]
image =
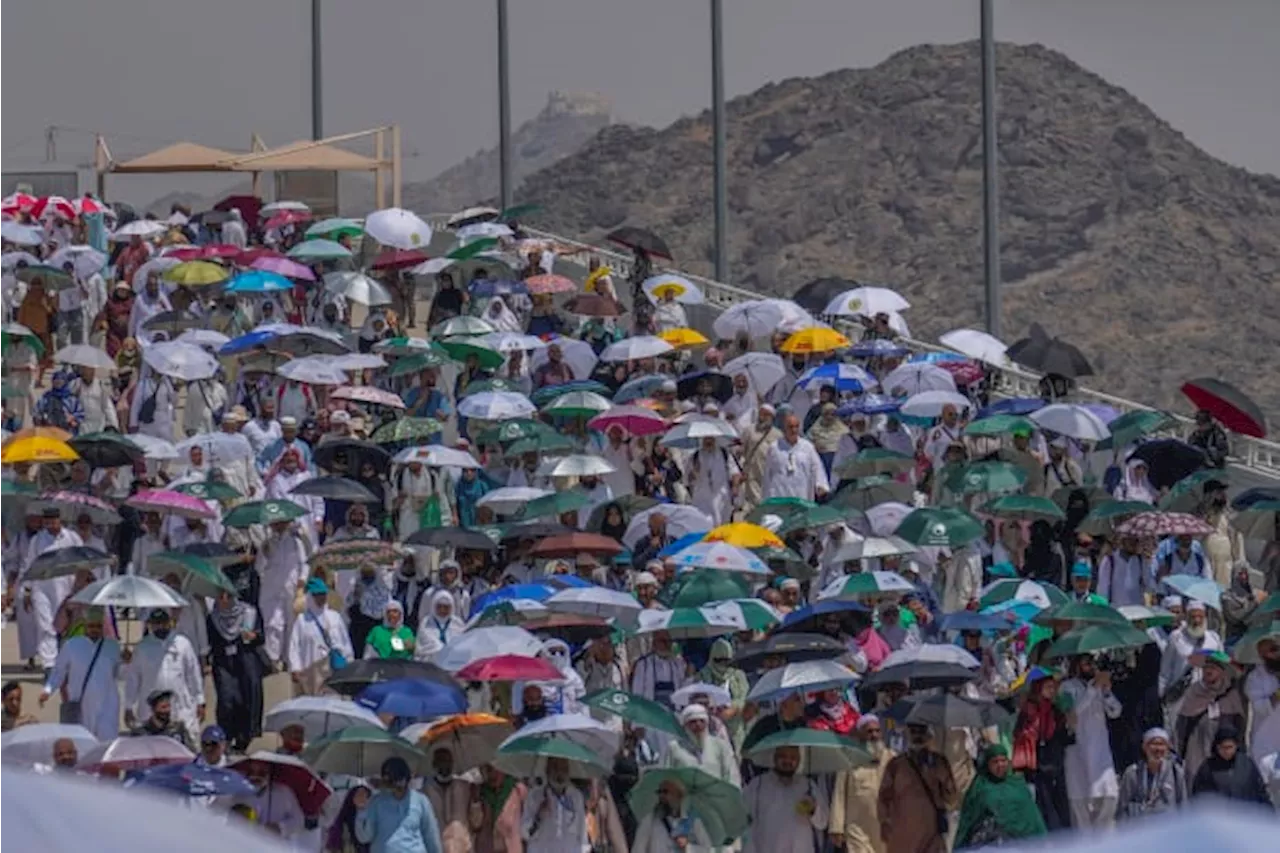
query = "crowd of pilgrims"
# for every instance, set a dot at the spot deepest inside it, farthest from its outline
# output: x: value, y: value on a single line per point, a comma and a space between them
x: 1089, y: 740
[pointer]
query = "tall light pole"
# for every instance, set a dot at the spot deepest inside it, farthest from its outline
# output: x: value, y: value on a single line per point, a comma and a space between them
x: 504, y: 108
x: 990, y: 177
x: 317, y: 84
x: 718, y: 139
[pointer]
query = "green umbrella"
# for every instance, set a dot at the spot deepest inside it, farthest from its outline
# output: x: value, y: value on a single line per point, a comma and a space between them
x: 407, y: 429
x: 335, y: 227
x: 11, y: 333
x: 1000, y: 425
x: 1267, y: 610
x: 1023, y: 508
x: 696, y: 588
x: 472, y: 249
x: 756, y: 614
x: 54, y: 278
x: 517, y: 211
x: 209, y: 491
x: 553, y: 443
x: 1246, y: 648
x: 820, y: 752
x: 987, y: 477
x: 1151, y: 617
x: 525, y: 757
x: 1259, y: 521
x: 198, y: 576
x: 638, y: 710
x: 491, y: 385
x: 946, y: 527
x: 460, y: 327
x: 1187, y: 494
x: 461, y: 348
x: 15, y: 489
x: 554, y: 504
x: 717, y: 803
x: 871, y: 491
x: 402, y: 346
x: 820, y: 516
x: 1082, y: 612
x: 1103, y: 519
x: 416, y: 363
x: 1097, y: 638
x: 793, y: 564
x: 514, y: 430
x: 262, y: 512
x: 875, y: 460
x: 547, y: 393
x: 577, y: 404
x: 1131, y: 426
x: 360, y: 751
x: 1003, y: 590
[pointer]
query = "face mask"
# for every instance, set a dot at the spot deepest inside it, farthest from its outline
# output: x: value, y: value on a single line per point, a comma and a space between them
x: 161, y: 633
x: 444, y: 778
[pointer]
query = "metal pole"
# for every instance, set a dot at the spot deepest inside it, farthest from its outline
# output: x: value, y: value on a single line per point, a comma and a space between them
x: 317, y: 86
x: 990, y: 178
x: 504, y: 108
x: 718, y: 139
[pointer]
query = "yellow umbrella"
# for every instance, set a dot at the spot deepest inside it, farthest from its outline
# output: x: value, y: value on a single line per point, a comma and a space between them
x: 745, y: 535
x: 38, y: 432
x: 37, y: 449
x: 598, y: 273
x: 815, y: 339
x: 680, y: 338
x: 196, y: 273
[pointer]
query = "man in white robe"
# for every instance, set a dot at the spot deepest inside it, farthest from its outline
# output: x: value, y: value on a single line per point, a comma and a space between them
x: 740, y: 409
x: 240, y: 474
x: 152, y: 385
x: 282, y: 565
x: 1122, y: 575
x: 15, y: 567
x: 286, y: 475
x: 946, y: 433
x: 792, y: 467
x: 205, y: 398
x: 88, y: 668
x: 150, y: 302
x: 274, y: 804
x: 714, y: 755
x: 1262, y: 690
x: 787, y: 811
x: 1092, y: 786
x: 263, y: 429
x: 598, y: 494
x: 714, y: 477
x: 1185, y: 642
x: 617, y: 451
x: 152, y: 541
x: 164, y: 661
x: 316, y: 633
x: 95, y: 397
x: 47, y: 595
x: 554, y: 816
x: 233, y: 230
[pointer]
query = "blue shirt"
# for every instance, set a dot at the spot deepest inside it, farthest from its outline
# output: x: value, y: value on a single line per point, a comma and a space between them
x: 276, y: 449
x: 433, y: 404
x: 390, y: 825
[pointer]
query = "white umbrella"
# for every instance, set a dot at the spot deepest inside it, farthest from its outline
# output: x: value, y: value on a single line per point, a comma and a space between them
x: 805, y: 677
x: 682, y: 519
x: 129, y: 591
x: 496, y: 406
x: 33, y: 744
x: 929, y: 404
x: 181, y: 361
x: 353, y: 361
x: 277, y: 206
x: 721, y: 557
x: 480, y: 230
x: 437, y: 456
x: 621, y: 607
x: 156, y: 449
x: 873, y: 547
x: 582, y: 729
x: 85, y: 259
x: 578, y: 354
x: 509, y: 499
x: 687, y: 292
x: 861, y: 584
x: 399, y: 228
x: 139, y: 228
x: 931, y: 653
x: 10, y: 260
x: 758, y: 318
x: 718, y: 696
x: 631, y: 349
x: 22, y: 235
x: 207, y: 338
x: 311, y: 371
x: 481, y: 643
x: 470, y: 214
x: 219, y: 447
x: 83, y: 355
x: 1220, y: 825
x: 156, y: 265
x: 1072, y: 421
x: 505, y: 342
x: 466, y: 325
x: 319, y: 715
x: 915, y: 377
x: 576, y: 465
x: 689, y: 434
x: 866, y: 302
x: 976, y: 344
x: 435, y: 266
x: 577, y: 401
x: 884, y: 518
x: 357, y: 287
x: 763, y: 370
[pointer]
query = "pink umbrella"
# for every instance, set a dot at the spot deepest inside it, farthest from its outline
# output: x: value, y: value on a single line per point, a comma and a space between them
x: 635, y: 420
x: 285, y: 267
x: 74, y: 504
x: 550, y: 283
x: 1156, y: 524
x: 367, y: 394
x: 19, y: 202
x: 133, y: 753
x: 219, y: 251
x: 287, y: 217
x: 165, y: 501
x: 509, y: 668
x: 88, y: 204
x: 963, y: 372
x: 186, y: 253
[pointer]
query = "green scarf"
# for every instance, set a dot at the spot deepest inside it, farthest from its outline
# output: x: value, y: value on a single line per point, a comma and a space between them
x: 495, y: 799
x: 715, y: 673
x: 380, y: 638
x: 1008, y: 801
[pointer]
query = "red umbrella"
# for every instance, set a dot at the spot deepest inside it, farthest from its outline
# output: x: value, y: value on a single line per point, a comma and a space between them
x: 89, y: 204
x: 964, y: 372
x: 573, y: 544
x: 594, y: 305
x: 291, y: 772
x: 19, y: 202
x: 1228, y: 404
x: 287, y: 217
x: 1156, y: 524
x: 219, y: 251
x: 54, y: 204
x: 398, y: 259
x: 248, y: 256
x: 509, y: 668
x: 550, y: 283
x: 186, y: 253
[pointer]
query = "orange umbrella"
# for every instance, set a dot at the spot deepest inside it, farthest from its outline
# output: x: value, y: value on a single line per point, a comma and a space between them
x: 38, y: 432
x: 472, y: 738
x: 743, y: 534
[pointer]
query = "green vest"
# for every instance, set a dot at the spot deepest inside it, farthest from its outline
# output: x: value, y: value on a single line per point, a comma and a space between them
x: 380, y: 638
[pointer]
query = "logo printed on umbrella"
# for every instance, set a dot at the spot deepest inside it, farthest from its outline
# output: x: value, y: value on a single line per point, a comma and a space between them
x: 854, y: 304
x: 938, y: 531
x: 619, y: 699
x: 415, y: 238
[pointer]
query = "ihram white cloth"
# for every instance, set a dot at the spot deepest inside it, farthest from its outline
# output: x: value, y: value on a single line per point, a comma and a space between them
x: 777, y: 824
x: 710, y: 473
x: 47, y: 595
x: 1090, y: 768
x: 1260, y: 687
x: 99, y: 408
x: 100, y: 698
x: 282, y: 564
x: 161, y: 425
x: 143, y: 547
x: 168, y: 664
x: 554, y: 822
x: 308, y: 645
x: 794, y: 471
x: 622, y: 480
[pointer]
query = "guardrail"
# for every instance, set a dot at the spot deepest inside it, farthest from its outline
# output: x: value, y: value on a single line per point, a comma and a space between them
x: 1257, y: 455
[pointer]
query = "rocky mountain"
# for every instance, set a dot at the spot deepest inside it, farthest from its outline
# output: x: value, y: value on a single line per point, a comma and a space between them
x: 1118, y: 233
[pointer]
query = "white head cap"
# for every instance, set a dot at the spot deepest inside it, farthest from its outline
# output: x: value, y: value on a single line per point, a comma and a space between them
x: 693, y: 711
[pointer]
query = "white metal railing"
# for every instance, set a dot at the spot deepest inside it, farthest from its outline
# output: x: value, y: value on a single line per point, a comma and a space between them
x: 1257, y: 455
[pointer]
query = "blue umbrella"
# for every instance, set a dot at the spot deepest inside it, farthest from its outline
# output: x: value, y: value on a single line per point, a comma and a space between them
x: 1023, y: 611
x: 937, y: 357
x: 487, y: 287
x: 682, y: 543
x: 970, y: 620
x: 258, y: 281
x: 413, y: 698
x: 1013, y: 406
x: 196, y: 779
x: 869, y: 404
x: 845, y: 377
x: 1200, y: 589
x: 639, y: 388
x: 878, y: 348
x: 246, y: 342
x: 531, y: 591
x: 320, y: 250
x: 558, y: 582
x: 806, y: 617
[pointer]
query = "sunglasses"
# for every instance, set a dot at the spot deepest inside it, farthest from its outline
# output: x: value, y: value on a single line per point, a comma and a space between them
x: 721, y: 660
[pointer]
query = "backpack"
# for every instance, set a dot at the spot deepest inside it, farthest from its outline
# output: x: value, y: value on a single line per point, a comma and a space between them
x: 55, y: 412
x: 147, y: 412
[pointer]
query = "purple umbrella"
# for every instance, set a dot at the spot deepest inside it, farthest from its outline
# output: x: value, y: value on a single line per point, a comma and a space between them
x: 1106, y: 414
x: 284, y: 267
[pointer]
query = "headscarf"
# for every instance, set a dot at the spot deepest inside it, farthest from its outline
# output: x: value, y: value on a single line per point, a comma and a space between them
x: 346, y: 823
x: 229, y: 621
x: 1007, y: 802
x: 613, y: 531
x: 468, y: 493
x: 373, y: 596
x: 718, y: 673
x: 1135, y: 488
x: 442, y: 628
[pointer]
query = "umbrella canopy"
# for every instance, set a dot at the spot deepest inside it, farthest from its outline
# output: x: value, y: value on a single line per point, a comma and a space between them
x: 290, y: 771
x: 1049, y: 355
x: 572, y: 544
x: 1023, y: 508
x: 947, y: 711
x: 455, y: 537
x: 1081, y: 612
x: 36, y: 449
x: 1042, y: 595
x: 635, y: 348
x: 1132, y: 426
x: 744, y: 535
x: 509, y: 668
x: 807, y: 677
x: 870, y: 493
x: 578, y: 404
x: 63, y: 562
x: 360, y: 751
x: 794, y: 648
x: 480, y: 643
x: 1159, y: 524
x: 866, y: 302
x: 1234, y: 409
x: 398, y: 228
x: 721, y: 557
x: 698, y: 588
x: 634, y: 421
x: 413, y: 698
x: 717, y: 803
x: 875, y: 460
x: 817, y: 339
x: 1246, y: 650
x: 349, y: 454
x: 106, y: 449
x: 1188, y: 493
x: 640, y: 239
x: 357, y: 675
x: 859, y: 584
x: 407, y: 430
x: 619, y: 606
x: 690, y: 434
x: 350, y: 554
x: 690, y: 622
x: 1097, y: 638
x: 33, y: 743
x: 992, y: 477
x: 816, y: 295
x: 319, y: 250
x: 680, y: 289
x: 764, y: 370
x: 1072, y: 421
x: 820, y: 751
x: 263, y: 512
x: 197, y: 576
x: 1103, y: 518
x: 940, y: 527
x: 1154, y: 617
x: 193, y: 780
x: 1259, y: 521
x: 508, y: 500
x: 919, y: 377
x: 496, y: 406
x: 356, y: 287
x: 133, y: 752
x: 576, y: 465
x: 637, y: 710
x: 129, y: 591
x: 873, y: 547
x: 335, y: 489
x: 525, y: 757
x: 1206, y: 590
x: 72, y: 505
x: 319, y: 716
x: 179, y: 360
x: 83, y: 355
x: 976, y: 344
x: 1169, y: 460
x: 473, y: 739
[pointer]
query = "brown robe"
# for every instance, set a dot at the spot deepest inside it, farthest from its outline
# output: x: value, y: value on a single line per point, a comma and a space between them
x: 910, y: 800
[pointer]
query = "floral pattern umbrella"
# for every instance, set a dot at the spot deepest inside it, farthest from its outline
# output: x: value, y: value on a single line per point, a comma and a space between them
x: 1157, y: 524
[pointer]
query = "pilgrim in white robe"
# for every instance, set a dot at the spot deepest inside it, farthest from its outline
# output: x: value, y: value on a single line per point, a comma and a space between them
x: 778, y: 821
x: 282, y: 564
x: 554, y: 821
x: 276, y: 806
x: 204, y: 398
x: 168, y: 664
x: 413, y: 490
x: 1260, y: 689
x: 242, y: 475
x: 316, y: 632
x: 161, y: 425
x: 280, y: 487
x: 1092, y: 785
x: 97, y: 689
x: 99, y: 408
x: 710, y: 477
x: 143, y: 547
x: 434, y: 631
x: 658, y: 834
x: 794, y: 471
x: 622, y: 480
x: 741, y: 409
x: 47, y: 595
x: 261, y: 433
x: 144, y: 308
x: 15, y: 563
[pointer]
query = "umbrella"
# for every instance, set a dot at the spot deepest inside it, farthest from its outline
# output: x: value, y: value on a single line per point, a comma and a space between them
x: 744, y: 535
x: 577, y: 354
x: 817, y: 294
x: 930, y: 404
x: 1259, y: 521
x: 1160, y: 524
x: 998, y: 424
x: 682, y: 520
x: 16, y: 332
x: 640, y: 239
x: 398, y: 228
x: 197, y: 576
x: 356, y: 453
x: 398, y: 259
x: 875, y: 460
x: 129, y: 591
x: 1169, y: 460
x: 63, y: 562
x: 456, y: 537
x: 976, y: 344
x: 106, y: 449
x: 172, y: 322
x: 637, y: 710
x: 1246, y: 648
x: 1072, y: 421
x: 509, y: 499
x: 72, y: 505
x: 717, y: 803
x: 309, y: 371
x: 1132, y: 426
x: 554, y: 504
x: 473, y: 739
x: 575, y: 465
x: 1049, y: 355
x: 525, y: 757
x: 940, y: 527
x: 187, y: 362
x: 1200, y: 589
x: 721, y: 557
x: 134, y: 752
x: 918, y: 377
x: 1188, y: 493
x: 335, y: 489
x: 635, y: 421
x: 351, y: 554
x: 263, y: 512
x: 1097, y: 638
x: 756, y: 318
x: 866, y: 583
x: 507, y: 342
x: 206, y: 338
x: 820, y: 751
x: 866, y: 302
x: 290, y: 771
x: 816, y: 339
x: 22, y: 235
x: 636, y: 348
x: 416, y: 363
x: 1043, y: 595
x: 993, y: 476
x: 219, y: 448
x: 462, y: 326
x: 408, y: 697
x: 576, y: 728
x: 360, y: 751
x: 695, y: 589
x: 196, y: 274
x: 357, y: 287
x: 193, y: 780
x: 259, y: 281
x: 618, y: 606
x: 868, y: 493
x: 357, y: 675
x: 790, y: 647
x: 873, y: 547
x: 1103, y: 518
x: 689, y: 434
x: 496, y: 406
x: 658, y: 287
x: 690, y: 622
x: 1229, y: 405
x: 763, y: 370
x: 578, y: 404
x: 947, y: 711
x: 842, y: 377
x: 319, y: 716
x: 549, y: 283
x: 83, y: 355
x: 509, y: 668
x: 407, y: 430
x: 1156, y: 617
x: 36, y: 449
x: 806, y: 677
x: 480, y: 643
x: 1023, y: 508
x: 1083, y: 612
x: 810, y: 618
x: 319, y: 250
x: 572, y: 544
x: 594, y: 305
x: 33, y: 743
x: 756, y: 614
x: 333, y: 227
x: 931, y: 665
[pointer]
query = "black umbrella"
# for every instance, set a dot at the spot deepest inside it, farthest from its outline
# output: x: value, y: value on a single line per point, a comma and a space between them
x: 1228, y: 404
x: 628, y: 504
x: 642, y: 239
x: 172, y: 321
x: 302, y: 344
x: 107, y: 450
x: 215, y: 552
x: 534, y: 530
x: 1249, y: 497
x: 920, y: 675
x: 815, y: 296
x: 335, y: 489
x: 1169, y: 460
x: 358, y: 675
x: 793, y: 648
x: 61, y: 562
x: 705, y: 383
x: 346, y: 455
x: 452, y: 537
x: 947, y: 711
x: 1049, y: 355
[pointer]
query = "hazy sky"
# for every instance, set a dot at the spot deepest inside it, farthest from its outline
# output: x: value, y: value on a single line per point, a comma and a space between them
x: 145, y: 72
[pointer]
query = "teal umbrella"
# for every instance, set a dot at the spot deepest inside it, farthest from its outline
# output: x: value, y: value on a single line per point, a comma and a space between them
x: 871, y: 491
x: 1023, y: 508
x: 262, y: 512
x: 945, y: 527
x: 715, y: 802
x: 556, y: 503
x: 1088, y: 639
x: 1259, y: 521
x: 875, y: 460
x: 1131, y: 426
x: 1104, y: 518
x: 319, y: 250
x: 991, y: 476
x: 638, y: 710
x: 1000, y: 425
